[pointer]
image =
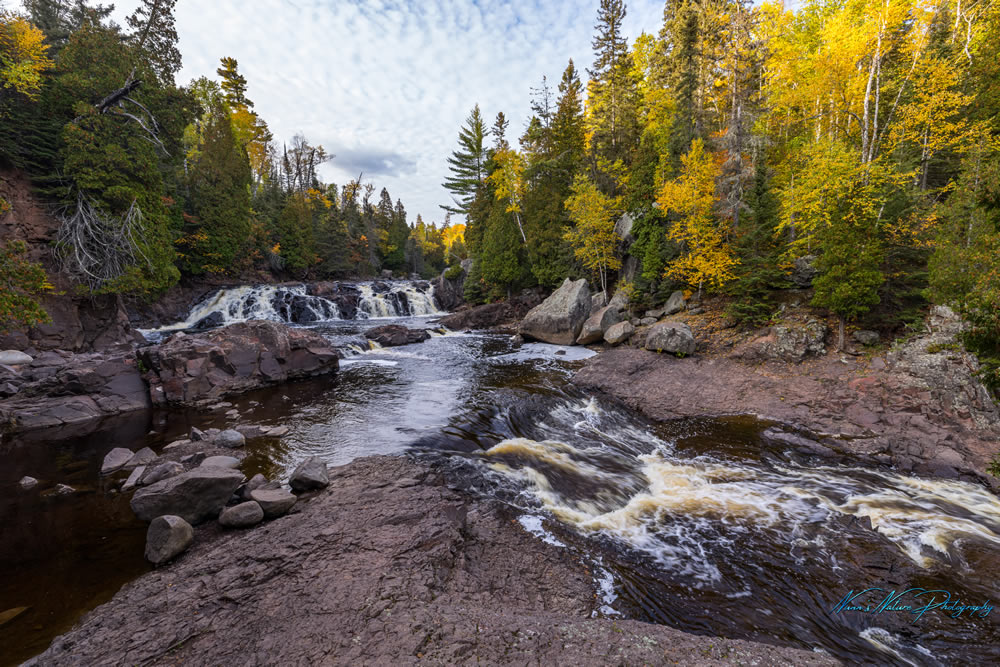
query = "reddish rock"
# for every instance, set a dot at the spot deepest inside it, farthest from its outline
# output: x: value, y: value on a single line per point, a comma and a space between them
x: 393, y: 335
x: 200, y: 369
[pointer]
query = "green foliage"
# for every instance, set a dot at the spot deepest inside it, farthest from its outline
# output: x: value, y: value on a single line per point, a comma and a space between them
x: 467, y: 163
x: 294, y: 235
x: 20, y: 281
x: 453, y: 272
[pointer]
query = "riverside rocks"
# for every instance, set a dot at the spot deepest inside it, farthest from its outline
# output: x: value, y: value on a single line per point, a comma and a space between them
x: 388, y: 567
x: 595, y: 326
x: 274, y: 502
x: 501, y: 314
x: 167, y: 538
x: 243, y: 515
x: 559, y: 319
x: 14, y: 358
x: 618, y: 333
x: 793, y: 340
x: 310, y: 475
x: 394, y: 335
x: 230, y: 438
x: 197, y: 370
x: 115, y: 460
x: 195, y: 495
x: 675, y: 304
x: 673, y: 337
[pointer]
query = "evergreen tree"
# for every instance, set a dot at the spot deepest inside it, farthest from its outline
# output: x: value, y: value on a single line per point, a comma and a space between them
x: 233, y: 83
x: 467, y: 164
x: 154, y: 37
x: 295, y: 235
x: 59, y: 19
x: 220, y: 192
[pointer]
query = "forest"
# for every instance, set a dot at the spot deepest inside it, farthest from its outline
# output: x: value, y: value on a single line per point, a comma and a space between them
x: 858, y: 136
x: 153, y: 181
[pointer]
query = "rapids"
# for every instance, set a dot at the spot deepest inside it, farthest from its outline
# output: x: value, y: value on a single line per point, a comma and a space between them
x: 698, y: 524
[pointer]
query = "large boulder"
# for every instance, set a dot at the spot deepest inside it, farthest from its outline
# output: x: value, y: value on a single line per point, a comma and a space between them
x: 196, y: 370
x: 195, y: 496
x: 311, y: 474
x: 804, y: 271
x: 449, y: 287
x: 618, y: 333
x: 559, y: 319
x: 794, y: 340
x: 393, y: 335
x: 595, y: 326
x: 673, y: 337
x: 167, y: 538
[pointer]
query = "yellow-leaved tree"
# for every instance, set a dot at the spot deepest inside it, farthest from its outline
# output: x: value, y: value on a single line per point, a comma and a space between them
x: 593, y: 235
x: 508, y: 181
x: 706, y: 256
x: 23, y: 55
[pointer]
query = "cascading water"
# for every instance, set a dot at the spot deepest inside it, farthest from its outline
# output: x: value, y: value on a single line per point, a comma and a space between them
x: 294, y: 304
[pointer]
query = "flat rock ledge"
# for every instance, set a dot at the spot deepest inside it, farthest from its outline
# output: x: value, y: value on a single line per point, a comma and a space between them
x: 387, y: 566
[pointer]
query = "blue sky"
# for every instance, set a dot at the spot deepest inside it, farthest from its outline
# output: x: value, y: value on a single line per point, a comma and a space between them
x: 385, y: 85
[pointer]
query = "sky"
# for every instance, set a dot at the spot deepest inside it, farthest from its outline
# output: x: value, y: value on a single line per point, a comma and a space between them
x: 385, y: 85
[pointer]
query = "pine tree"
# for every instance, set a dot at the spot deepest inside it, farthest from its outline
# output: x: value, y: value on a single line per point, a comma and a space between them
x: 220, y: 191
x: 467, y: 164
x: 59, y: 19
x: 154, y: 37
x: 233, y: 83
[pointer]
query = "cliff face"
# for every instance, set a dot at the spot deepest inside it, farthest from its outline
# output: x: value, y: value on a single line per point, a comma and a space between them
x: 79, y: 324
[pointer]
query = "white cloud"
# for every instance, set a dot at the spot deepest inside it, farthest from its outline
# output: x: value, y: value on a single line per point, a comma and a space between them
x: 386, y: 84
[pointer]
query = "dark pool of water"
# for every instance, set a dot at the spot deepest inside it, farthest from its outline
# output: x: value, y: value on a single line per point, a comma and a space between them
x: 697, y: 524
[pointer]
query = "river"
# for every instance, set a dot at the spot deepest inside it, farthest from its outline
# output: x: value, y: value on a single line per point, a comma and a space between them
x: 697, y: 524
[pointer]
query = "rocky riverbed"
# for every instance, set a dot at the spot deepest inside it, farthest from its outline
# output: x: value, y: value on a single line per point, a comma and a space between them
x: 388, y: 566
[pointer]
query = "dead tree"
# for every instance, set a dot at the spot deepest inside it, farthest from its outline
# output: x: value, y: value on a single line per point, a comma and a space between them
x: 114, y: 105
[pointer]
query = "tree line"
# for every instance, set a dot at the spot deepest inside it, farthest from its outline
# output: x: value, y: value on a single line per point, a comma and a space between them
x: 859, y: 136
x: 152, y: 181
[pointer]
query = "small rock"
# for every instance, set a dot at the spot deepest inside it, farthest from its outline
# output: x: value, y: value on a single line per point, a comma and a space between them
x: 8, y: 389
x: 698, y: 310
x: 675, y: 303
x: 310, y: 474
x: 133, y: 479
x: 196, y: 434
x: 517, y: 339
x: 656, y: 313
x: 232, y: 414
x: 230, y: 438
x: 878, y: 364
x: 277, y: 431
x: 115, y: 460
x: 251, y: 431
x: 256, y: 482
x: 274, y: 502
x: 230, y: 462
x: 168, y: 537
x: 161, y: 472
x: 866, y: 337
x: 243, y: 515
x: 177, y: 444
x: 194, y: 459
x: 59, y: 490
x: 647, y: 321
x: 14, y: 358
x: 619, y: 333
x: 27, y: 483
x: 144, y: 456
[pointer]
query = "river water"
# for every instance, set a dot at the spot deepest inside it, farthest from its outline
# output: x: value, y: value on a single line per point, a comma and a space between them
x: 697, y: 524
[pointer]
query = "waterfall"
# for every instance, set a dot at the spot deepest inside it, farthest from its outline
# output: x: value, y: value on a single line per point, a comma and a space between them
x: 294, y: 304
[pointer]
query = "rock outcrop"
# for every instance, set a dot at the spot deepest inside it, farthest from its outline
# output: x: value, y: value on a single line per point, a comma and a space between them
x: 559, y: 319
x: 673, y: 337
x: 789, y: 341
x: 502, y: 314
x: 196, y: 370
x: 394, y: 335
x: 449, y: 287
x: 388, y: 567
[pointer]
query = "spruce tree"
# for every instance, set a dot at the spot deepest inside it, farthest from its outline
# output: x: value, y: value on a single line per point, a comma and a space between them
x: 467, y: 164
x: 154, y: 37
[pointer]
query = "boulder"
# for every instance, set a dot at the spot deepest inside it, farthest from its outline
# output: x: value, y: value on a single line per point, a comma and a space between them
x: 274, y: 502
x: 673, y: 337
x: 490, y: 315
x: 867, y: 337
x: 194, y: 496
x: 27, y: 483
x: 646, y: 321
x: 449, y: 288
x: 160, y: 472
x: 803, y: 271
x: 656, y: 313
x: 230, y: 462
x: 167, y: 537
x: 791, y: 341
x: 393, y: 335
x: 619, y: 301
x: 256, y: 482
x: 674, y: 304
x: 196, y: 434
x: 597, y: 301
x: 197, y: 370
x: 560, y: 317
x: 14, y: 358
x: 595, y: 326
x: 230, y: 439
x: 309, y: 475
x: 143, y: 457
x: 115, y: 460
x: 618, y: 333
x: 243, y: 515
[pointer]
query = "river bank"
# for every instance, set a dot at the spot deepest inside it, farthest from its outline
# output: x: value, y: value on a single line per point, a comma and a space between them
x: 388, y: 566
